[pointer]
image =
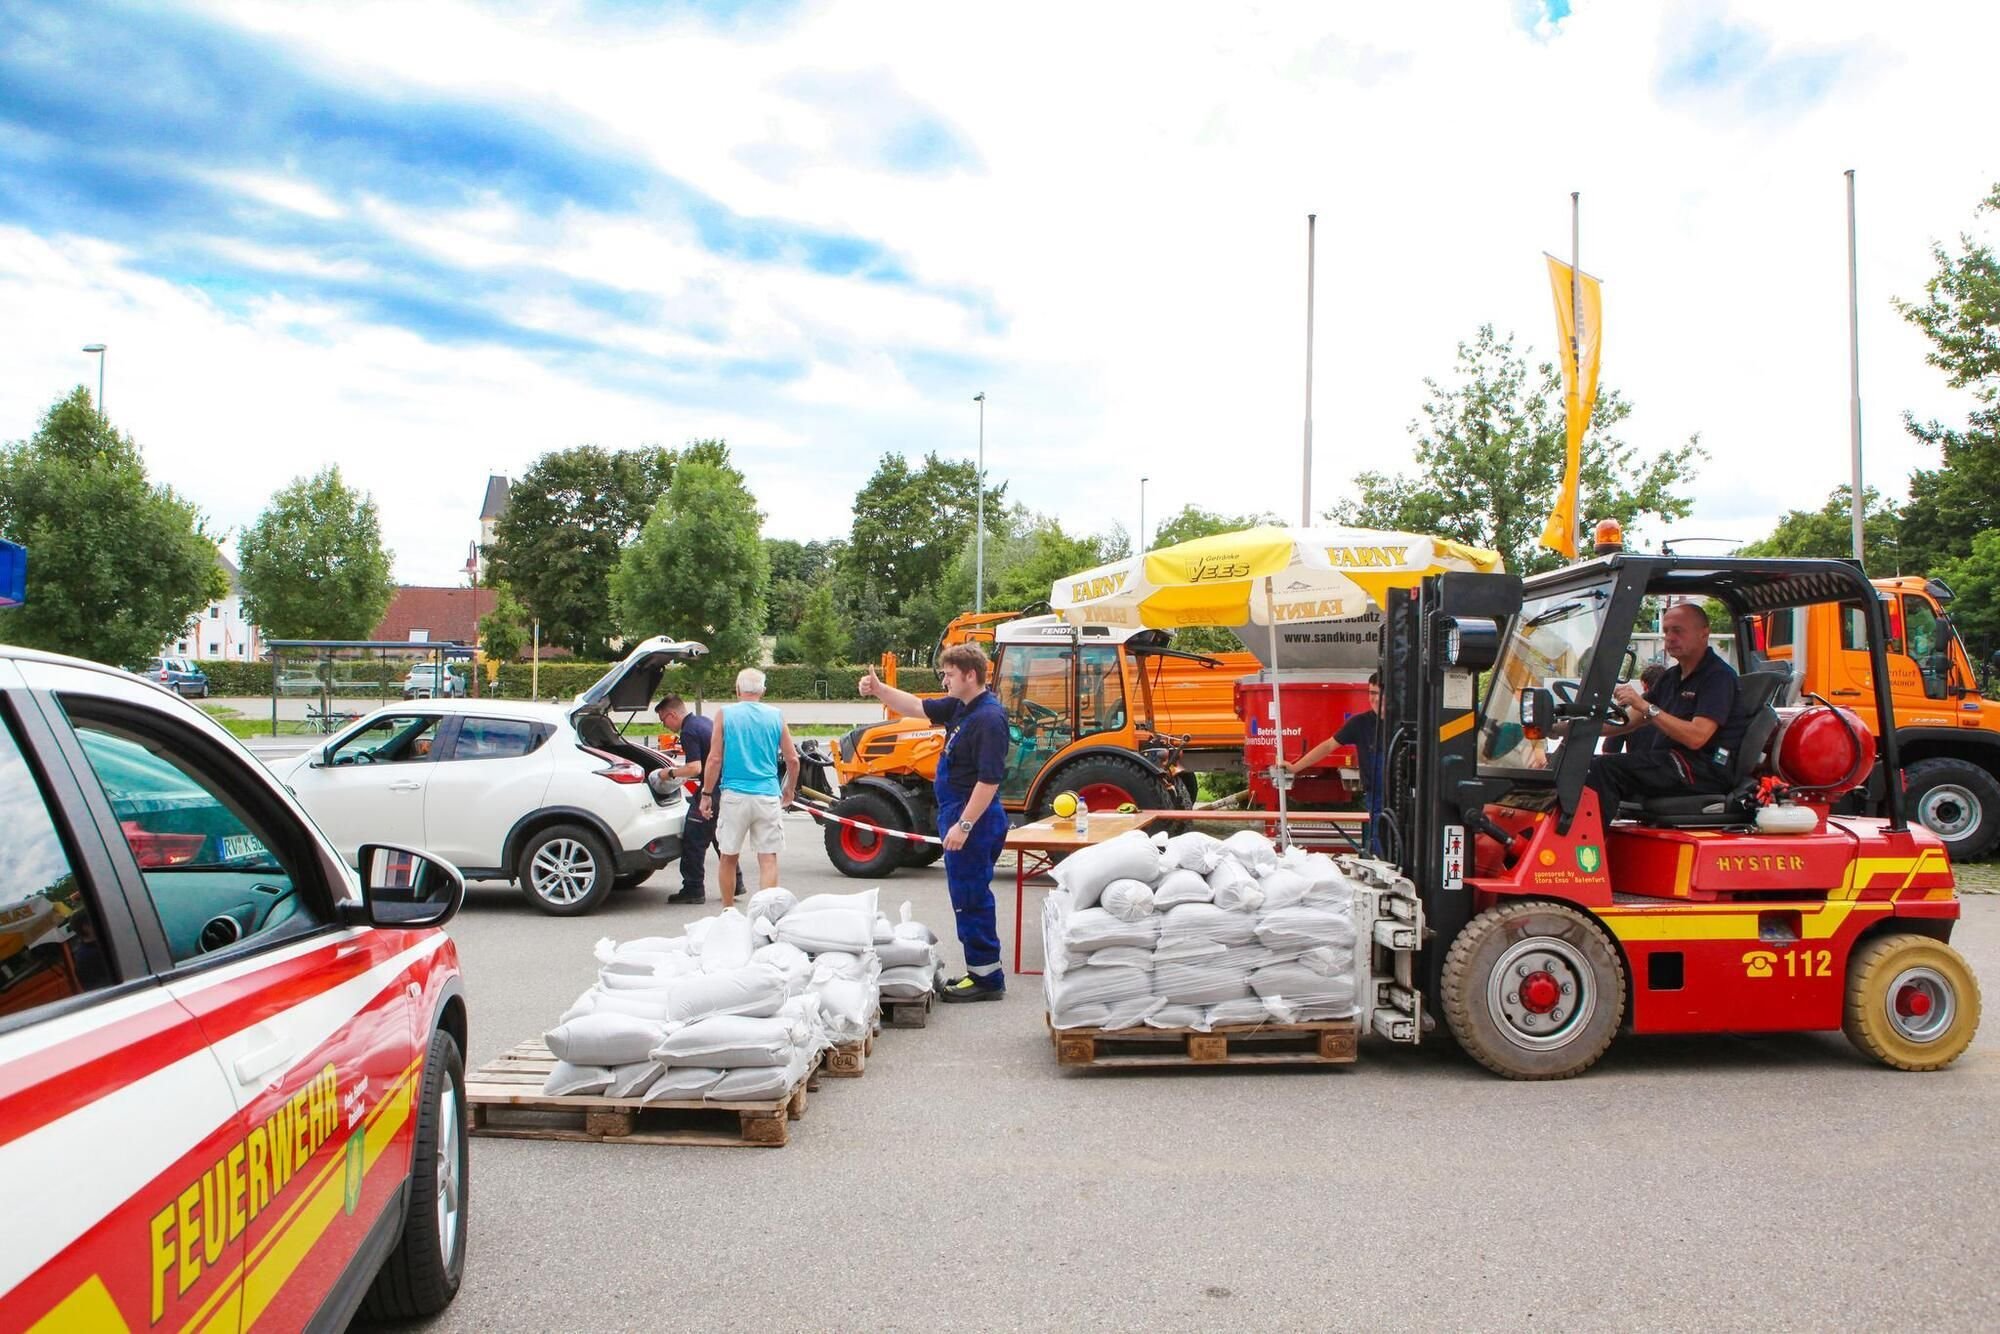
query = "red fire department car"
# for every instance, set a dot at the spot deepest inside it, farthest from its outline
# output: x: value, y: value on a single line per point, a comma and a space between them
x: 231, y: 1089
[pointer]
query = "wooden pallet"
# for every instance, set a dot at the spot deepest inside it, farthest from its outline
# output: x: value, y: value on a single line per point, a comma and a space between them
x: 908, y: 1011
x: 1325, y: 1042
x: 849, y: 1060
x: 504, y: 1100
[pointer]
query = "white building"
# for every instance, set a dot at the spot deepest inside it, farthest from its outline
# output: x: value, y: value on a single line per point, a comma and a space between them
x: 220, y: 631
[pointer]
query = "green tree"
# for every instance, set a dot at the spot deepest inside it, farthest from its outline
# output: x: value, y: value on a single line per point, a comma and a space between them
x: 566, y: 521
x: 116, y: 566
x: 908, y: 525
x: 313, y: 562
x: 1490, y: 455
x: 503, y: 631
x: 1951, y: 504
x: 698, y: 570
x: 822, y: 637
x: 1975, y: 581
x: 1829, y: 531
x: 797, y: 569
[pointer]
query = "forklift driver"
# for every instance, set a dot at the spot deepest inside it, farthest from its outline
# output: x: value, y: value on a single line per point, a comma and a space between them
x: 1683, y: 730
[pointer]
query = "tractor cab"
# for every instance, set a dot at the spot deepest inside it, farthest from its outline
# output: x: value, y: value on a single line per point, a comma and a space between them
x: 1552, y: 924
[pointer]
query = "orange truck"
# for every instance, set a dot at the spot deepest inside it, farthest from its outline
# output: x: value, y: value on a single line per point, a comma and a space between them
x: 1947, y: 732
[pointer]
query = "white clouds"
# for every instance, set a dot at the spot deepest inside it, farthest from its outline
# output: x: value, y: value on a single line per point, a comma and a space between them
x: 1132, y: 208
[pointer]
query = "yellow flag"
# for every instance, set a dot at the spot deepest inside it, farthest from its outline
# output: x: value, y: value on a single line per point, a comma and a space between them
x: 1581, y: 343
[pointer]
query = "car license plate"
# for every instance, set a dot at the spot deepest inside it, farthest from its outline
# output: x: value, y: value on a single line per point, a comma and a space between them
x: 242, y: 848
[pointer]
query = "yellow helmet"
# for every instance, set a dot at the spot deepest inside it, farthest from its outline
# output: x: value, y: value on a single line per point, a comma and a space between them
x: 1064, y: 804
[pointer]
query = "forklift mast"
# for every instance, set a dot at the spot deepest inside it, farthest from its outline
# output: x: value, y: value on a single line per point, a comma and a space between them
x: 1436, y: 640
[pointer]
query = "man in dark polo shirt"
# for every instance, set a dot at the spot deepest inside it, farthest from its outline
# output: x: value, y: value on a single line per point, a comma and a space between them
x: 1683, y: 732
x: 970, y: 818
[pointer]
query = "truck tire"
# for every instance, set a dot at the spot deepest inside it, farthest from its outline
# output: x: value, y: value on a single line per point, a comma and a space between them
x: 1958, y: 801
x: 861, y: 853
x: 422, y: 1274
x: 919, y: 855
x: 1911, y: 1002
x: 565, y: 870
x: 1106, y: 782
x: 1533, y: 990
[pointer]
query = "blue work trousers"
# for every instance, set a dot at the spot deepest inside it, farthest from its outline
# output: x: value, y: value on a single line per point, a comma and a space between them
x: 969, y: 874
x: 697, y: 835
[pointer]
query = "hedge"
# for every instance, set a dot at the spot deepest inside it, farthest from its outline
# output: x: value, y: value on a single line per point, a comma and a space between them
x: 559, y: 679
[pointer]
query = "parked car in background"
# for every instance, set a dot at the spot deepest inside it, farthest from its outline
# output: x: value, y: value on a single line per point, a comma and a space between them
x: 547, y: 795
x: 422, y: 683
x: 231, y: 1071
x: 177, y: 674
x: 299, y: 683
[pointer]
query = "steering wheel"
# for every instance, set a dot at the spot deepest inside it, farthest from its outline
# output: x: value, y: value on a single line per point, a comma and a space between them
x: 1041, y: 716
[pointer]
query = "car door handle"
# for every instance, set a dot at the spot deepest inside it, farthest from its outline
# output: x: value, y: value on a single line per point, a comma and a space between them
x: 252, y: 1066
x: 405, y: 785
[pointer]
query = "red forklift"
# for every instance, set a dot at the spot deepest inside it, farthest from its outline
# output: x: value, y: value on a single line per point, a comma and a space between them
x: 1540, y: 926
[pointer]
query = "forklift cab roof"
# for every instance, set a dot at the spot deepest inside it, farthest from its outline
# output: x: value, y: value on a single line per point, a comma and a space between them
x: 1745, y: 585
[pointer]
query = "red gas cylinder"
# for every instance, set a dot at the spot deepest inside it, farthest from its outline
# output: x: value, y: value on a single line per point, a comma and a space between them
x: 1823, y: 749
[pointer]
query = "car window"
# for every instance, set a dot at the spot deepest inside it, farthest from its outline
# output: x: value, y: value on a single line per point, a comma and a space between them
x: 50, y: 944
x: 494, y: 738
x: 395, y: 738
x: 215, y: 874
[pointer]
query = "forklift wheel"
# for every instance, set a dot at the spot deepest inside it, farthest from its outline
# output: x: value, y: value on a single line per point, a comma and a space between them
x: 1533, y: 990
x: 863, y: 853
x: 1911, y: 1002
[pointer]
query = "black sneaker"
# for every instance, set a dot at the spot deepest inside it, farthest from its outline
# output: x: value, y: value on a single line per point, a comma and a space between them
x: 685, y: 897
x: 966, y: 990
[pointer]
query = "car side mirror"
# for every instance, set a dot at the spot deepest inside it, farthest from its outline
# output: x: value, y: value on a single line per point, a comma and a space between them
x: 1538, y: 712
x: 404, y: 888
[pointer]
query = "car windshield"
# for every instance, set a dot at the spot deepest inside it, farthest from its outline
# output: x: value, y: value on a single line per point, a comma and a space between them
x: 1550, y: 641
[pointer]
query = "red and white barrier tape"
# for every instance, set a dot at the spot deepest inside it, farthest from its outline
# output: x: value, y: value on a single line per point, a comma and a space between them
x: 825, y: 815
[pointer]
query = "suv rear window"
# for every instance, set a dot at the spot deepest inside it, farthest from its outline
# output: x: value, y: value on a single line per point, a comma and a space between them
x: 495, y: 738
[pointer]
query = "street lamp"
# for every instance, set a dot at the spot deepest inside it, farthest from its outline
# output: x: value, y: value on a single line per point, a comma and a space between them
x: 98, y: 348
x: 979, y: 532
x: 1141, y: 546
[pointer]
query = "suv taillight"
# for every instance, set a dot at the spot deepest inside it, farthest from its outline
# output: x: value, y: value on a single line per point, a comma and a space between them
x: 616, y: 768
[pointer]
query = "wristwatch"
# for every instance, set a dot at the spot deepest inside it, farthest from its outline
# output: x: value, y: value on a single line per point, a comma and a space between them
x: 1652, y: 712
x: 965, y: 826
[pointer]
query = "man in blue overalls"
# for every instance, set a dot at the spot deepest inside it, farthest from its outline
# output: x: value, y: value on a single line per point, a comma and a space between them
x: 970, y: 819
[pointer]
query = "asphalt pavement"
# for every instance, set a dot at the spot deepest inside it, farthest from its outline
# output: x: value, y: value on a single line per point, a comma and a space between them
x: 965, y: 1182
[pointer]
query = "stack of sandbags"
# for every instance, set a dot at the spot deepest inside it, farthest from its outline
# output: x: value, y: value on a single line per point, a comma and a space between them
x: 1195, y: 932
x: 909, y: 957
x: 836, y: 935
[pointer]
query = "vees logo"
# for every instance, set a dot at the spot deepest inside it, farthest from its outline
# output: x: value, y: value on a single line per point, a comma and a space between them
x: 1209, y: 570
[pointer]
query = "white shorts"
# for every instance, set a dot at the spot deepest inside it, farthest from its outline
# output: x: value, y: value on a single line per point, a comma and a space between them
x: 747, y: 822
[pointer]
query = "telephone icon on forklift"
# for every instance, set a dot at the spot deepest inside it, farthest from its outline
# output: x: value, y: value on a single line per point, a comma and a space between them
x: 1758, y: 963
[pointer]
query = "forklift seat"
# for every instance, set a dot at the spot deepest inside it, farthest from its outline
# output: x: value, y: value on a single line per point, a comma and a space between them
x: 1755, y: 693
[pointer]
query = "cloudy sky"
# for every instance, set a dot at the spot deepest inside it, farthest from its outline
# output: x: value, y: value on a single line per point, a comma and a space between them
x: 429, y: 241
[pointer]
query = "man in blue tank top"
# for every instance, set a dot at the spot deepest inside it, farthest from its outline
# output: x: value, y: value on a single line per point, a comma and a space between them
x: 741, y: 788
x: 971, y: 821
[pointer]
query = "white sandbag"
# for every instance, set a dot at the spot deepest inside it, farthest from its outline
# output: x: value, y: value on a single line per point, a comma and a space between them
x: 908, y: 983
x: 1328, y: 961
x: 1127, y: 900
x: 755, y: 990
x: 632, y: 1081
x: 817, y: 931
x: 727, y: 1042
x: 1120, y: 956
x: 1249, y: 1011
x: 1160, y: 840
x: 1097, y: 986
x: 697, y: 933
x: 1205, y: 921
x: 684, y: 1083
x: 1181, y: 951
x: 885, y: 930
x: 908, y: 928
x: 1252, y: 849
x: 1326, y: 886
x: 1283, y: 888
x: 865, y: 902
x: 1179, y: 1016
x: 567, y: 1079
x: 1080, y: 1016
x: 771, y: 904
x: 640, y: 1004
x: 1235, y: 888
x: 728, y: 944
x: 1302, y: 928
x: 1210, y: 980
x: 1096, y: 929
x: 608, y: 949
x: 760, y: 1083
x: 603, y: 1039
x: 1295, y: 992
x: 803, y: 1013
x: 1130, y: 856
x: 610, y: 981
x: 1181, y: 886
x: 848, y: 1008
x: 836, y: 963
x: 903, y: 953
x: 1130, y: 1013
x: 793, y: 963
x: 1193, y: 851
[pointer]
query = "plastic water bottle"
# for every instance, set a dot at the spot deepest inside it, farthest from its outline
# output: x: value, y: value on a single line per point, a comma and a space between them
x: 1082, y: 820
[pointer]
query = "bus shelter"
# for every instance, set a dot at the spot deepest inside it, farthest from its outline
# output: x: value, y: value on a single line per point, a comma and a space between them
x: 340, y: 679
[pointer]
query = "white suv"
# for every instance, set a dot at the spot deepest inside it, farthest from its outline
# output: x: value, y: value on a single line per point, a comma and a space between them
x: 548, y: 795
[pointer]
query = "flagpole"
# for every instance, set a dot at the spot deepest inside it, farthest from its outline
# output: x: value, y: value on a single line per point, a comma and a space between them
x: 1576, y: 326
x: 1854, y: 366
x: 1306, y: 487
